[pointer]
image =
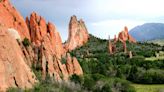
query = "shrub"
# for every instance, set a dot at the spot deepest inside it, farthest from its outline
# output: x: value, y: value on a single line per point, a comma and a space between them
x: 88, y: 82
x: 26, y: 42
x: 77, y: 79
x: 63, y: 60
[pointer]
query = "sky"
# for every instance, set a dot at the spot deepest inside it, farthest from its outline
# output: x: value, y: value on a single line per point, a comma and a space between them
x: 102, y: 17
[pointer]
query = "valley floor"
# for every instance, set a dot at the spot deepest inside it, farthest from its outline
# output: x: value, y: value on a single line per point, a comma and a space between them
x: 149, y: 88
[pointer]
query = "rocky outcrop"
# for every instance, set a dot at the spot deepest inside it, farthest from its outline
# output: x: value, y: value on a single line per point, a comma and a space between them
x: 111, y: 46
x: 48, y: 44
x: 14, y: 72
x: 10, y: 18
x: 78, y: 34
x: 38, y: 28
x: 125, y: 36
x: 72, y: 65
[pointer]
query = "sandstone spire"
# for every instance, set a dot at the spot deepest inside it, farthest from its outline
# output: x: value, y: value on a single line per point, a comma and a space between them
x: 78, y: 34
x: 123, y: 36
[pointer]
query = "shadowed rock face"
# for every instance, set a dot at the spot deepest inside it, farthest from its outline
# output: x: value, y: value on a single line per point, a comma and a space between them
x: 14, y: 72
x: 11, y: 18
x: 78, y: 34
x: 48, y: 45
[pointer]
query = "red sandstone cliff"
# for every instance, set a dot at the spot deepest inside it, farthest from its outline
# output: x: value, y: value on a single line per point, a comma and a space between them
x: 46, y: 49
x: 11, y: 18
x: 78, y: 34
x: 14, y: 72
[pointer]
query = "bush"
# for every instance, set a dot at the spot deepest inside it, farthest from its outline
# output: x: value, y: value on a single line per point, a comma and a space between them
x: 88, y: 82
x: 77, y: 79
x: 26, y: 42
x: 14, y: 90
x: 63, y: 60
x: 113, y: 85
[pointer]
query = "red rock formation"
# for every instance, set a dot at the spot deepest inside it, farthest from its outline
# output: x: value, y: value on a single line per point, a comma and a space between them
x: 14, y: 72
x: 10, y: 18
x: 125, y: 36
x: 111, y: 46
x: 69, y: 65
x: 56, y: 39
x: 47, y: 40
x: 73, y: 67
x: 115, y: 39
x: 76, y: 67
x: 78, y: 34
x: 38, y: 28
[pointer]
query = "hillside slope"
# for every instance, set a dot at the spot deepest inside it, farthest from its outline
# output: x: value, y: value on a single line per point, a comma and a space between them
x: 148, y: 31
x: 95, y: 58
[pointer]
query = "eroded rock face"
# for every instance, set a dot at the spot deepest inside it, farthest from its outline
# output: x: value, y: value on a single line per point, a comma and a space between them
x: 48, y: 44
x: 73, y: 67
x: 76, y: 66
x: 10, y: 18
x: 14, y: 72
x: 78, y: 34
x: 38, y: 28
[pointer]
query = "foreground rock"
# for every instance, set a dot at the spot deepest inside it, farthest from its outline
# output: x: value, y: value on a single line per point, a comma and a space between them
x: 14, y: 72
x: 78, y: 34
x: 11, y: 18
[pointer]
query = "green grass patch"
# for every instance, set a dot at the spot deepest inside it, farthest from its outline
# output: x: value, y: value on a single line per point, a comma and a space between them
x: 158, y: 56
x: 149, y: 88
x: 155, y: 58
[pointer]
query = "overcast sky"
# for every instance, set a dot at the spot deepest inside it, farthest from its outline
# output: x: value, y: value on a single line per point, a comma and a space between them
x: 102, y: 17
